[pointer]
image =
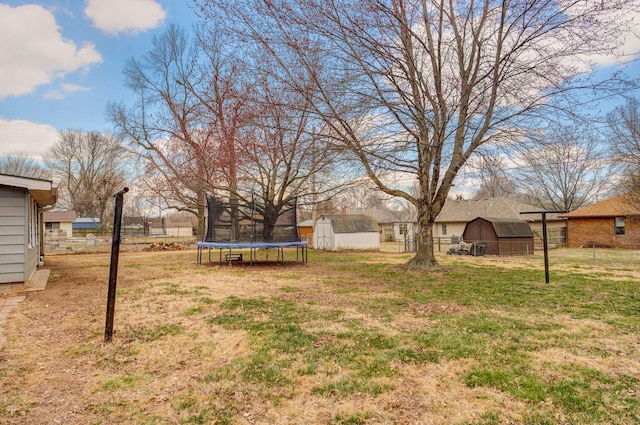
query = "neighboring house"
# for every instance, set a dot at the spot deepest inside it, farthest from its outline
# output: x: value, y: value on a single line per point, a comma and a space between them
x: 394, y: 225
x: 504, y: 236
x: 457, y: 213
x: 135, y: 226
x: 347, y: 231
x: 171, y: 227
x: 21, y: 246
x: 83, y: 226
x: 305, y: 230
x: 59, y: 220
x: 614, y: 222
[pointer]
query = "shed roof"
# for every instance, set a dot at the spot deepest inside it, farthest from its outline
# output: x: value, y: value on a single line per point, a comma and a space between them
x: 508, y: 228
x: 353, y: 223
x: 621, y: 205
x: 68, y: 216
x: 464, y: 210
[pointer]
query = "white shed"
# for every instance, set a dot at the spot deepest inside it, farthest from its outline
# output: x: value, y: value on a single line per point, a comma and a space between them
x: 343, y: 232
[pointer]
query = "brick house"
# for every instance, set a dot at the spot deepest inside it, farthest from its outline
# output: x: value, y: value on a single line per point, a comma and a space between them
x: 611, y: 223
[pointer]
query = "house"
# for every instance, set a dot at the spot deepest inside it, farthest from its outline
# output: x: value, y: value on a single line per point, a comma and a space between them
x: 21, y: 242
x: 347, y: 231
x: 395, y: 225
x: 60, y: 221
x: 614, y: 222
x: 170, y: 227
x: 305, y: 230
x: 455, y: 215
x: 83, y: 226
x: 135, y: 226
x: 503, y: 236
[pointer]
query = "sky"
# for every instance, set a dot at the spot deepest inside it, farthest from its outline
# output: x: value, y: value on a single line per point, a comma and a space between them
x: 62, y: 62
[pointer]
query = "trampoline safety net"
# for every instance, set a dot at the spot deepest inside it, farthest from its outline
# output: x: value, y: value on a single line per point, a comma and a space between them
x: 232, y: 221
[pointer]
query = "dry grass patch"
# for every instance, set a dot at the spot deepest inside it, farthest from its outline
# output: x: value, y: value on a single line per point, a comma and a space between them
x: 349, y: 338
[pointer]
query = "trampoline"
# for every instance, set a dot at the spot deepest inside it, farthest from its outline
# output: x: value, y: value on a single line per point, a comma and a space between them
x: 234, y: 226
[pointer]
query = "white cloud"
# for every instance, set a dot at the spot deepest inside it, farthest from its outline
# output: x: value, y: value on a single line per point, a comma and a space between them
x: 114, y: 16
x: 64, y: 90
x: 34, y: 52
x: 27, y: 136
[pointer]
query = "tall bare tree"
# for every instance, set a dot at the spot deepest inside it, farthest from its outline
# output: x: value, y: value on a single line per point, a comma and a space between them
x: 624, y: 122
x: 565, y: 168
x: 494, y: 179
x: 190, y: 105
x: 90, y: 168
x: 415, y: 87
x: 19, y: 163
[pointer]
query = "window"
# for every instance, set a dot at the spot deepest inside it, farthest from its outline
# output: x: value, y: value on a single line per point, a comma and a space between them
x: 52, y: 226
x: 619, y: 225
x: 444, y: 230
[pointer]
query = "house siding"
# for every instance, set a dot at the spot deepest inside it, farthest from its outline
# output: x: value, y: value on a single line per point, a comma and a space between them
x: 599, y: 231
x: 13, y: 227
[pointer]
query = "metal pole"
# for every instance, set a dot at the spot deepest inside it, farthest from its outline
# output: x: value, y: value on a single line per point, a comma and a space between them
x: 544, y: 238
x: 113, y: 270
x: 545, y: 247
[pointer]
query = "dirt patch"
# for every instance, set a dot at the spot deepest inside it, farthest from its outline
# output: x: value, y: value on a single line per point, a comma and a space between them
x: 185, y: 348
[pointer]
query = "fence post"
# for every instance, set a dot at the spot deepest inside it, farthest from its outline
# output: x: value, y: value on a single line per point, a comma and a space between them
x: 113, y: 270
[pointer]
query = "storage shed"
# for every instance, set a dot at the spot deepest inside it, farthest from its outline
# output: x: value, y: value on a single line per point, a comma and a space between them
x: 503, y: 236
x: 344, y: 232
x: 21, y: 202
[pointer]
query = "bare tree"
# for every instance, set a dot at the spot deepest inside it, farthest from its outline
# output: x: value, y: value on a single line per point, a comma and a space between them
x: 19, y: 163
x: 415, y: 87
x: 494, y: 179
x: 624, y: 122
x: 191, y: 103
x: 90, y: 168
x: 566, y: 168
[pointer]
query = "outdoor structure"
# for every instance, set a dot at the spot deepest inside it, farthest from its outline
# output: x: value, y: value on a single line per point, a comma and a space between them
x: 170, y: 227
x: 305, y: 229
x: 504, y: 237
x: 345, y: 232
x: 614, y: 223
x: 394, y: 225
x: 84, y: 226
x: 232, y: 225
x: 457, y: 213
x: 59, y: 220
x: 21, y: 229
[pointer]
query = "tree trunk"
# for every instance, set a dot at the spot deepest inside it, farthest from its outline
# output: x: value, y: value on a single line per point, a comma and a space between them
x: 425, y: 257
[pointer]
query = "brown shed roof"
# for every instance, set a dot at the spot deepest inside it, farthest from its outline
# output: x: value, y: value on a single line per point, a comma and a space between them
x: 621, y: 205
x: 508, y: 228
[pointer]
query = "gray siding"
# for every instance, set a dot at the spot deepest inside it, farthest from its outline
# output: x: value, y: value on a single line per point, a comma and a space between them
x: 13, y: 237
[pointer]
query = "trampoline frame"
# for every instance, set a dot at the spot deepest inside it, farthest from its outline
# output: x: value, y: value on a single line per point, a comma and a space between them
x: 301, y: 250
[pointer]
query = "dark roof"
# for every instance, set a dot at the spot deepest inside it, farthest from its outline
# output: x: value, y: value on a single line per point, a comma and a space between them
x: 462, y: 211
x: 58, y: 216
x: 621, y: 205
x: 353, y: 223
x: 385, y: 215
x: 508, y: 228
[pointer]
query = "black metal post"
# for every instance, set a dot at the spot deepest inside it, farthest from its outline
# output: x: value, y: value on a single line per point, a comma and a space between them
x: 545, y: 247
x: 113, y: 270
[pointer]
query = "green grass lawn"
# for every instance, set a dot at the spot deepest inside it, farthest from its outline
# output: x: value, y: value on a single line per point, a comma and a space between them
x: 350, y: 338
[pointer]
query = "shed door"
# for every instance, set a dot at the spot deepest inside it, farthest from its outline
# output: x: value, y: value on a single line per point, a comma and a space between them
x: 323, y: 235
